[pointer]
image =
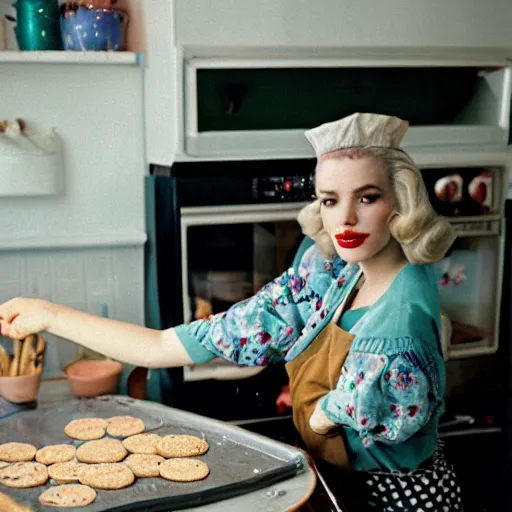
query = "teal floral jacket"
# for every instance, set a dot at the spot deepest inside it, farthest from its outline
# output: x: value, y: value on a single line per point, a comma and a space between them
x: 390, y: 392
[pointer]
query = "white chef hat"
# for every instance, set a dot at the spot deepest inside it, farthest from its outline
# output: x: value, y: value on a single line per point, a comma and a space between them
x: 357, y: 130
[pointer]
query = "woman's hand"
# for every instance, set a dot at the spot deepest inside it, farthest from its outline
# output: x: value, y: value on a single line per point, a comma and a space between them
x: 126, y: 342
x: 21, y: 317
x: 319, y: 422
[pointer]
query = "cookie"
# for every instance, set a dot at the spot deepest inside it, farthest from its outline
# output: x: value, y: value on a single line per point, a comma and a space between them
x: 64, y: 472
x: 181, y: 446
x: 102, y: 450
x: 3, y: 465
x: 184, y: 470
x: 86, y: 429
x: 55, y: 453
x: 107, y: 476
x: 17, y: 452
x: 142, y: 443
x: 24, y: 474
x: 144, y: 465
x: 71, y: 495
x: 9, y: 505
x: 123, y: 426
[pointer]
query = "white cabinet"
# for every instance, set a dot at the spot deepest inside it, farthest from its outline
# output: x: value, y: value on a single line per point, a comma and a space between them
x: 185, y: 37
x: 255, y: 108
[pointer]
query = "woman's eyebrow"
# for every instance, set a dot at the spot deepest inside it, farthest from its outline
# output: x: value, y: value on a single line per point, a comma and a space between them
x: 356, y: 191
x: 367, y: 187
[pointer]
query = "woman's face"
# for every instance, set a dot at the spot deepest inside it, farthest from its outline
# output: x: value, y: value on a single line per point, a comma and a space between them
x: 357, y: 203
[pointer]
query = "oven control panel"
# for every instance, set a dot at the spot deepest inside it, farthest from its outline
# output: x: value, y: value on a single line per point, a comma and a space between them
x: 284, y: 188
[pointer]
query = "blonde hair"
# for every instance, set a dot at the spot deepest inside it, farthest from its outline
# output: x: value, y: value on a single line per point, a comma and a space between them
x: 424, y: 236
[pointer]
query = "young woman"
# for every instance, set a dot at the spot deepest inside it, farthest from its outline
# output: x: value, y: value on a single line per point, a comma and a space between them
x: 356, y: 320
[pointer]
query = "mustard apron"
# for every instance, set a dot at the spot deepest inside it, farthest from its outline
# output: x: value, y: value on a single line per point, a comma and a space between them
x: 312, y: 375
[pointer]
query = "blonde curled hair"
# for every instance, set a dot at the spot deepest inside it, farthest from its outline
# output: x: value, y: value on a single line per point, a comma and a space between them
x: 424, y: 236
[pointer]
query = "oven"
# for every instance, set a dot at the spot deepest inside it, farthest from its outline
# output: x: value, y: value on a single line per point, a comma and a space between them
x: 219, y: 231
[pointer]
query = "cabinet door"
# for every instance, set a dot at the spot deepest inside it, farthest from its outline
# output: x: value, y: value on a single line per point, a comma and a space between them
x: 254, y: 107
x: 335, y: 23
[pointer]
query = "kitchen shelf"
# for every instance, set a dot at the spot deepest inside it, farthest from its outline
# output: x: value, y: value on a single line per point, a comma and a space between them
x: 79, y: 241
x: 72, y: 57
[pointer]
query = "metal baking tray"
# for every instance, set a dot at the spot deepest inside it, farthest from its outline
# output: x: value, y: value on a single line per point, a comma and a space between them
x: 239, y: 461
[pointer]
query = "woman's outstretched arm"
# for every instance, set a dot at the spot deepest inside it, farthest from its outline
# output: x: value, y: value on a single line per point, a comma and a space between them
x: 126, y: 342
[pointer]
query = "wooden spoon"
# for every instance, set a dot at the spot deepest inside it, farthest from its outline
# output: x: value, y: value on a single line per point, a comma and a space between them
x: 15, y: 364
x: 4, y: 362
x: 26, y: 352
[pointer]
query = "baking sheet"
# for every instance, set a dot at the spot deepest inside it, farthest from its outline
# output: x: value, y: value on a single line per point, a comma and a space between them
x: 240, y: 461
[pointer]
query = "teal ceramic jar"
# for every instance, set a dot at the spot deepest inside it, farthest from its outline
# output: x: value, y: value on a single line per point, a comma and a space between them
x: 37, y: 25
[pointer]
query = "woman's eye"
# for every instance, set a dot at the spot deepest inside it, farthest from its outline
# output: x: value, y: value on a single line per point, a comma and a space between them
x: 369, y: 198
x: 328, y: 202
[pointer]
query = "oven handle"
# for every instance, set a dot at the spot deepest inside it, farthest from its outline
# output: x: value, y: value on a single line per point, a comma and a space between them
x: 239, y: 214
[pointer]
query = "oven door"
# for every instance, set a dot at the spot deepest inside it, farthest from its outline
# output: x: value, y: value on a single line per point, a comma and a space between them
x: 227, y: 254
x: 202, y: 256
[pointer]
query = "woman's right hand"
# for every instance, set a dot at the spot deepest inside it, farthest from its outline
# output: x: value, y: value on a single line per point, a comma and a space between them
x: 124, y: 341
x: 20, y: 317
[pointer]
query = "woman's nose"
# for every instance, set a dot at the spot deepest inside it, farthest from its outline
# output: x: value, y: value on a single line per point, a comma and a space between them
x: 349, y: 217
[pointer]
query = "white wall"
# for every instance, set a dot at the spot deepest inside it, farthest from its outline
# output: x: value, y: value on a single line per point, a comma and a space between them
x: 97, y: 112
x: 83, y: 247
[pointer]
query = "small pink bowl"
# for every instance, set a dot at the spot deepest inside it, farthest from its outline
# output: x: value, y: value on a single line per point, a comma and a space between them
x: 20, y: 389
x: 92, y: 378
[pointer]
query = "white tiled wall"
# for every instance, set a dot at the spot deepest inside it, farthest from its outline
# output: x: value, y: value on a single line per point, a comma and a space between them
x: 102, y: 281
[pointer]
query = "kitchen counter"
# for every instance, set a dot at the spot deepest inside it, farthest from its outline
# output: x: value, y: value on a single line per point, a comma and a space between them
x: 53, y: 391
x: 289, y: 494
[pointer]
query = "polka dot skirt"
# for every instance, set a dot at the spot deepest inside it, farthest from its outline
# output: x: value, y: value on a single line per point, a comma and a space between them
x: 433, y: 489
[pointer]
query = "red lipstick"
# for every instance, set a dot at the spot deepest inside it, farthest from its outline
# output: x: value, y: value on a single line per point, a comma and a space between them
x: 351, y: 239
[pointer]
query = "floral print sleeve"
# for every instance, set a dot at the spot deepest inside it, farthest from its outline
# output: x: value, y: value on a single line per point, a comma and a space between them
x: 261, y: 329
x: 384, y: 398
